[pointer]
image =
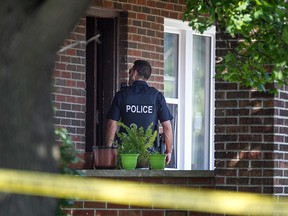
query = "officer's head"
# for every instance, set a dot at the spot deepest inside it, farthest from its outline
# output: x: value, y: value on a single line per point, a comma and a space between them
x: 143, y: 68
x: 140, y: 70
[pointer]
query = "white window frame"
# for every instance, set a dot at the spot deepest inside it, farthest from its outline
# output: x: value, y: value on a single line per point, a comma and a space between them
x: 184, y: 100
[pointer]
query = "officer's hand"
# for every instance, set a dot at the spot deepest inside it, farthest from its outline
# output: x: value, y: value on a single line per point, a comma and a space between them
x: 168, y: 158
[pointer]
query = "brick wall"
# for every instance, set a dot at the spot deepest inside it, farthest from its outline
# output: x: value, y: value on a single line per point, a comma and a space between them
x: 93, y: 208
x: 250, y: 136
x: 69, y: 95
x: 243, y: 139
x: 280, y: 155
x: 250, y: 127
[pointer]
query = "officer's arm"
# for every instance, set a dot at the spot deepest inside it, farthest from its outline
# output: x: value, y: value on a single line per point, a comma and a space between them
x: 111, y: 129
x: 168, y: 137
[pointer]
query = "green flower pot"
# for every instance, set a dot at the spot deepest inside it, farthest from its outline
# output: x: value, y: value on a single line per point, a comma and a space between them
x: 129, y: 161
x: 157, y: 161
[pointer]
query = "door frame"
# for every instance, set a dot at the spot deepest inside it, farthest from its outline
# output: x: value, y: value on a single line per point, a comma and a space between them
x: 102, y: 60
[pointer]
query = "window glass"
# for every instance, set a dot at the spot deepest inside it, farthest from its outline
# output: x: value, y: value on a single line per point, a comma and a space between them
x: 171, y: 53
x: 188, y: 72
x: 201, y: 71
x: 174, y: 111
x: 171, y: 65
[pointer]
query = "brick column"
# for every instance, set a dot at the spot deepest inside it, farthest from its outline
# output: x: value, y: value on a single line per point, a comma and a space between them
x: 280, y: 154
x: 250, y: 136
x: 244, y: 131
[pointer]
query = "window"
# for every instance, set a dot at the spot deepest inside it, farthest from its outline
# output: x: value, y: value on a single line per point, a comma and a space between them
x: 188, y: 89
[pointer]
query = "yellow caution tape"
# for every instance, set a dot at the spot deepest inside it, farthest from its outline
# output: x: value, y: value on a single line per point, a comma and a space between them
x: 123, y: 192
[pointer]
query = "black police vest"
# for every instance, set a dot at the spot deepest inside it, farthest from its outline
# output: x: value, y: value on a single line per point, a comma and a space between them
x: 140, y: 108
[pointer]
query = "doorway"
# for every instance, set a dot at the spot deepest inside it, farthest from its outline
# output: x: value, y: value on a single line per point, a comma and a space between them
x: 101, y: 77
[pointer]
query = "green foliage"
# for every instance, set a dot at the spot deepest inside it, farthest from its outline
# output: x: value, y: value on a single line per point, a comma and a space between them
x: 136, y: 140
x: 68, y: 153
x: 68, y: 156
x: 260, y: 57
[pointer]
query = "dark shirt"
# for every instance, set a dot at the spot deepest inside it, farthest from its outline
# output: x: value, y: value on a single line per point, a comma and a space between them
x: 139, y: 104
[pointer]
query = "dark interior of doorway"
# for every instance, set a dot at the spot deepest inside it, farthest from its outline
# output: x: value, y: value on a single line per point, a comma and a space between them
x: 101, y: 67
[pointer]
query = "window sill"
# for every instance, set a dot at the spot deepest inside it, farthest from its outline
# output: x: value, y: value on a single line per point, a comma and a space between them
x: 148, y: 173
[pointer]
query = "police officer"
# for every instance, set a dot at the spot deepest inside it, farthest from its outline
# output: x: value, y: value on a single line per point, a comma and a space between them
x: 140, y: 104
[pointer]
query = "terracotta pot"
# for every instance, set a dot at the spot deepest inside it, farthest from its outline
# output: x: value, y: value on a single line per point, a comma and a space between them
x: 104, y: 157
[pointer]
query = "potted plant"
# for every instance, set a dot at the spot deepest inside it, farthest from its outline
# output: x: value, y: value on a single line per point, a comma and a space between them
x: 135, y: 140
x: 157, y: 161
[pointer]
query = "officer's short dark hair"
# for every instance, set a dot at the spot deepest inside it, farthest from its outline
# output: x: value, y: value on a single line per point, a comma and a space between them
x: 143, y: 68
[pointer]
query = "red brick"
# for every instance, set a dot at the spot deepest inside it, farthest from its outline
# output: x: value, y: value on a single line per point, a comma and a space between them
x: 106, y: 213
x: 141, y: 16
x: 94, y: 204
x: 129, y: 213
x: 176, y: 181
x: 134, y: 179
x: 250, y: 155
x: 60, y: 66
x: 71, y: 83
x: 154, y: 180
x: 83, y: 213
x: 71, y: 52
x: 153, y: 213
x: 200, y: 181
x: 200, y: 214
x: 176, y: 213
x: 116, y: 206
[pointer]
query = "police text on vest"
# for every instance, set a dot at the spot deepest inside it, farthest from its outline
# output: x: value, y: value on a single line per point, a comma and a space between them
x: 139, y: 109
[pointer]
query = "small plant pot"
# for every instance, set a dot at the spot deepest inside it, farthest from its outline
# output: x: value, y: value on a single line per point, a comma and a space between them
x: 104, y: 157
x: 157, y: 161
x: 129, y: 161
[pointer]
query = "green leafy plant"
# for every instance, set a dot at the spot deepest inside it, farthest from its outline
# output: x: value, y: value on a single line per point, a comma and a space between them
x: 154, y: 152
x: 259, y: 57
x: 68, y: 156
x: 136, y: 140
